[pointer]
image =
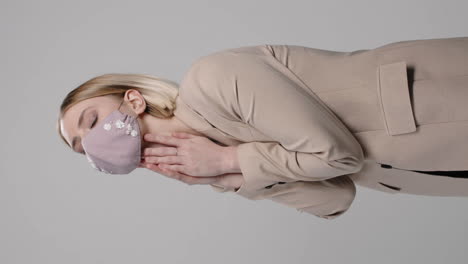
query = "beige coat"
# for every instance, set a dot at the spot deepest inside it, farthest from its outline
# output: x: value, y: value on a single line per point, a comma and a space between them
x: 310, y: 123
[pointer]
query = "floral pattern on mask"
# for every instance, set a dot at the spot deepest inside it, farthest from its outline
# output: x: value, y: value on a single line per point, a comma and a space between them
x: 119, y: 124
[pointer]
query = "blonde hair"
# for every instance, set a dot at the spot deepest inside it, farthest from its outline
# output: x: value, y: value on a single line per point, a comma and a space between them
x: 159, y: 93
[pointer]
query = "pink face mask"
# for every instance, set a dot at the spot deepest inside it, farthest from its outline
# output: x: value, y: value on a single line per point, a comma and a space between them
x: 114, y: 145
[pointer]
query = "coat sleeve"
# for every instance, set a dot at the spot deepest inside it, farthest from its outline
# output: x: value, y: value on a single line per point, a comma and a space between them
x: 325, y: 199
x: 309, y: 144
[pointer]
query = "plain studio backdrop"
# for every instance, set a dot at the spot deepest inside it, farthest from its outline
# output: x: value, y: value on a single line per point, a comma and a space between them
x: 55, y: 208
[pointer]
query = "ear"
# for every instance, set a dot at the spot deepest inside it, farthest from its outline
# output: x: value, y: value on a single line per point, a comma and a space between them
x: 135, y: 100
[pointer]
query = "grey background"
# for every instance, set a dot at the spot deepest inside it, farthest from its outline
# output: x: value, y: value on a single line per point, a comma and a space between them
x: 56, y: 209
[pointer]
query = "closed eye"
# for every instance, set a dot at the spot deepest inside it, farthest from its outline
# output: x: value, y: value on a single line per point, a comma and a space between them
x: 94, y: 122
x: 92, y: 125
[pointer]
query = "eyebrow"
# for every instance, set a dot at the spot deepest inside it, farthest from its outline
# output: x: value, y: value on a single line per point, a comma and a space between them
x: 80, y: 121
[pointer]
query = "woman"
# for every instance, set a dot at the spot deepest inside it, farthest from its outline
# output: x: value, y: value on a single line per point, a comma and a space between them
x: 296, y: 125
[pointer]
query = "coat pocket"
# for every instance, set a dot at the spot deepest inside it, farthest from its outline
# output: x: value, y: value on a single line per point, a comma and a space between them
x: 394, y: 98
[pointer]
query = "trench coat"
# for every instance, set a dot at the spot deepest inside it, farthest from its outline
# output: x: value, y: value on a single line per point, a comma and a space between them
x: 311, y: 124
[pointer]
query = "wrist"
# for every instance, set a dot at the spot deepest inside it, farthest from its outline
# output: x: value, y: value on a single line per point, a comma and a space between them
x: 230, y: 160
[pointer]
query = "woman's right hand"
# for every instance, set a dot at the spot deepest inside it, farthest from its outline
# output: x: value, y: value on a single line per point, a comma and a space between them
x: 228, y: 180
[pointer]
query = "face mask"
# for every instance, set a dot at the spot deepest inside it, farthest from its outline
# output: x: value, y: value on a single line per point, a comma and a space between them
x: 114, y: 146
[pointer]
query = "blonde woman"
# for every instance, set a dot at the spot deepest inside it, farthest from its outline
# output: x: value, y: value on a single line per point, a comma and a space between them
x: 296, y: 125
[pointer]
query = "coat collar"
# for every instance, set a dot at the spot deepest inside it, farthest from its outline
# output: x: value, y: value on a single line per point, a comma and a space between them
x: 190, y: 117
x: 196, y: 121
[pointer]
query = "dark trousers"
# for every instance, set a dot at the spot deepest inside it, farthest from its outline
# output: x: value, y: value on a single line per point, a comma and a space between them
x: 455, y: 174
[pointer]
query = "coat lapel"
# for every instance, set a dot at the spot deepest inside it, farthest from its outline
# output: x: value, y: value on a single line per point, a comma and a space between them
x: 196, y: 121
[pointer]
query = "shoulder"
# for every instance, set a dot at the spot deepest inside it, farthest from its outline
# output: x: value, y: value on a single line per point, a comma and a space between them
x: 210, y: 86
x: 224, y: 59
x: 210, y: 73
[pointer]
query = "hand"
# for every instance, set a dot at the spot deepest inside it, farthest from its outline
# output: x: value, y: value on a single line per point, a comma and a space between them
x: 228, y: 180
x: 196, y: 155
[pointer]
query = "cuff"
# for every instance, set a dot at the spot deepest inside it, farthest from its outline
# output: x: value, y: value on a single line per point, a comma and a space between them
x: 249, y: 165
x: 217, y: 188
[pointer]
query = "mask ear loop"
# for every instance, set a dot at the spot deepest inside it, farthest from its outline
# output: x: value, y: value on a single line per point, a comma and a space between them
x: 120, y: 104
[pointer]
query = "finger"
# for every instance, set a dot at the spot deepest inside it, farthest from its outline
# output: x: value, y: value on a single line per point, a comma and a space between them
x: 180, y: 176
x: 142, y: 162
x: 183, y: 135
x: 160, y: 151
x: 167, y: 140
x: 173, y: 167
x: 167, y: 160
x: 155, y: 168
x: 168, y: 173
x: 189, y: 179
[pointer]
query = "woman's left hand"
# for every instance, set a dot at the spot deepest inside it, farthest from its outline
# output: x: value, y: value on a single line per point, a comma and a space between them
x: 196, y: 155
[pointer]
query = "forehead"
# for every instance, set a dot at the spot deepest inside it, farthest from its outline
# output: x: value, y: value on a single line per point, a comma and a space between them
x: 69, y: 121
